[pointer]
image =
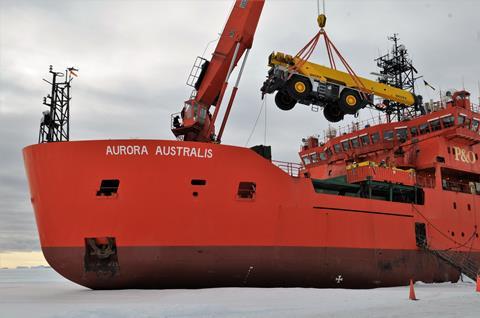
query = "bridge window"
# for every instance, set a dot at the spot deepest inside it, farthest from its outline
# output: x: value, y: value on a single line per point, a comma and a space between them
x: 401, y: 134
x: 474, y: 126
x: 388, y: 135
x: 337, y: 148
x: 435, y: 125
x: 322, y: 156
x: 328, y: 152
x: 424, y: 129
x: 346, y: 145
x: 315, y: 157
x: 448, y: 121
x: 365, y: 140
x: 375, y: 137
x: 355, y: 142
x: 414, y: 131
x: 461, y: 119
x: 467, y: 122
x: 306, y: 160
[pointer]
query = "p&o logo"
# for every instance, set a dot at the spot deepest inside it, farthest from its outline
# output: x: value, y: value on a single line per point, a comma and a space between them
x: 464, y: 155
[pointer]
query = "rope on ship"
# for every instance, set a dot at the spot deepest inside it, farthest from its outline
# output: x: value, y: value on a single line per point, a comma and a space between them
x: 458, y: 244
x: 466, y: 265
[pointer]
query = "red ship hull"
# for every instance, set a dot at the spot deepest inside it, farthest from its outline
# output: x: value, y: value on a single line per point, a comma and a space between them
x: 172, y: 232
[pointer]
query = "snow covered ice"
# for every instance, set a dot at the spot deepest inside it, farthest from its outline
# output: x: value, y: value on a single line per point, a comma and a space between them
x: 40, y: 292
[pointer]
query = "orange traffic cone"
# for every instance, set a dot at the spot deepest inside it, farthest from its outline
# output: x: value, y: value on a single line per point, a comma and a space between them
x: 478, y: 283
x: 412, y: 291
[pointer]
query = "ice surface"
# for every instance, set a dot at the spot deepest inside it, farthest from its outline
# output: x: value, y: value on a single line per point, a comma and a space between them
x: 40, y: 292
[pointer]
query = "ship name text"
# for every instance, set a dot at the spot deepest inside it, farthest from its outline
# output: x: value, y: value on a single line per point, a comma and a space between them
x: 464, y: 155
x: 173, y: 151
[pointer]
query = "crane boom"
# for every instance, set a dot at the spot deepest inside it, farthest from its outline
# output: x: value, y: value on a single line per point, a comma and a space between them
x: 237, y: 37
x: 239, y: 29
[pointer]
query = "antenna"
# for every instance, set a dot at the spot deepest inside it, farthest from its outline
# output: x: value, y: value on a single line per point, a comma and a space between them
x: 478, y: 83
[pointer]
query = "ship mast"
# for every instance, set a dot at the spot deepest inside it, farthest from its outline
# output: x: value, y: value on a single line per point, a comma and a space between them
x: 397, y: 70
x: 55, y: 122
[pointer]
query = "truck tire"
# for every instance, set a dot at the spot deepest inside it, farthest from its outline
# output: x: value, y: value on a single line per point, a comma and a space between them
x: 284, y: 101
x: 333, y: 113
x: 299, y: 87
x: 350, y: 101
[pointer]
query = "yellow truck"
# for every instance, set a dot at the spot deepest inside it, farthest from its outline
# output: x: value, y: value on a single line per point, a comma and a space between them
x: 337, y: 92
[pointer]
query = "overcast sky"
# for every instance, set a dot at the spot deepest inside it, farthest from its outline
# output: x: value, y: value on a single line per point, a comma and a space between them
x: 134, y: 58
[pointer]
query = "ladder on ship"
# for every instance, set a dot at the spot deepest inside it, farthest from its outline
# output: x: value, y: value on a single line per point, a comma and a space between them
x: 463, y: 263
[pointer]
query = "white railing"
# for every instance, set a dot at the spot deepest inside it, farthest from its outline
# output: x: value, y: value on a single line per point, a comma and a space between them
x: 292, y: 168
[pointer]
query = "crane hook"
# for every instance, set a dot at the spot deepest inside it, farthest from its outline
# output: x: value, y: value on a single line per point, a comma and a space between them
x: 322, y: 20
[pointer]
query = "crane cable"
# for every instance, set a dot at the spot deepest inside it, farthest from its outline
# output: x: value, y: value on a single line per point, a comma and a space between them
x: 264, y: 103
x: 304, y: 54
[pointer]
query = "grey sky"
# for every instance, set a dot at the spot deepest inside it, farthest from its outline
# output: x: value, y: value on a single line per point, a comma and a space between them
x: 134, y: 58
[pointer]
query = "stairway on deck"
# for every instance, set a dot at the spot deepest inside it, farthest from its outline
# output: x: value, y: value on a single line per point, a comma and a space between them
x: 460, y: 261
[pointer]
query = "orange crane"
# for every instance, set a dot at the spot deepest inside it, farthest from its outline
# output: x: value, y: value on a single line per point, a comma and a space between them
x: 210, y: 78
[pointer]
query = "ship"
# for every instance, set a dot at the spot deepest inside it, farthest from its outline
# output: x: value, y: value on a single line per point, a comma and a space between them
x: 378, y: 204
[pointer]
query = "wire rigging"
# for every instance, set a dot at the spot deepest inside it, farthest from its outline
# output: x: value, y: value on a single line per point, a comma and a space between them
x: 264, y: 101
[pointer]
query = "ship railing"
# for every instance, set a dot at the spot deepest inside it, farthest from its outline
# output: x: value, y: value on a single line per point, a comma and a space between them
x: 354, y: 126
x: 292, y: 168
x: 455, y: 186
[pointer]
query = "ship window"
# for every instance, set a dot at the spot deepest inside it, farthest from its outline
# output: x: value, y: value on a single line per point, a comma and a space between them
x: 447, y: 121
x: 328, y: 152
x: 460, y: 120
x: 355, y: 143
x: 346, y: 145
x: 306, y: 160
x: 435, y: 125
x: 424, y: 129
x: 388, y: 135
x: 315, y: 157
x: 375, y: 137
x: 414, y: 131
x: 198, y: 182
x: 469, y: 207
x: 455, y: 205
x: 246, y: 190
x: 337, y: 148
x: 108, y: 187
x: 365, y: 140
x: 401, y: 134
x: 467, y: 123
x: 474, y: 125
x: 322, y: 156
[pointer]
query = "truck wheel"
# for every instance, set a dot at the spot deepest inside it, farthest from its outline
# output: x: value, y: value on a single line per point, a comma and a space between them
x: 350, y: 101
x: 284, y: 101
x: 299, y: 87
x: 333, y: 113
